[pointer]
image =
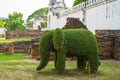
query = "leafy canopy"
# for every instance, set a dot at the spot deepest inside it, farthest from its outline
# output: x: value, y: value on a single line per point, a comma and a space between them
x: 76, y: 2
x: 1, y: 23
x: 40, y: 14
x: 14, y: 21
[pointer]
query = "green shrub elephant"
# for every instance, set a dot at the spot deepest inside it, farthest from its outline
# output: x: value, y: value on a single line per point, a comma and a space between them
x: 80, y: 43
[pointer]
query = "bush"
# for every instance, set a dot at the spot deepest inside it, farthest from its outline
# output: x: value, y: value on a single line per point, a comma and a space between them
x: 80, y: 43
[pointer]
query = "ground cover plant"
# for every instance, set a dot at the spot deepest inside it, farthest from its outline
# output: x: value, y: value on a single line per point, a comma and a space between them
x: 3, y: 40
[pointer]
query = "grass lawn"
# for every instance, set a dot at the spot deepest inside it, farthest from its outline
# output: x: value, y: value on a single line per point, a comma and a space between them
x: 18, y: 56
x: 3, y: 40
x: 26, y: 70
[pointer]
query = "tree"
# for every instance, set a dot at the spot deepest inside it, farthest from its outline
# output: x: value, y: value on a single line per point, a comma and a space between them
x: 14, y: 21
x: 29, y: 24
x: 38, y: 15
x: 1, y: 23
x: 76, y: 2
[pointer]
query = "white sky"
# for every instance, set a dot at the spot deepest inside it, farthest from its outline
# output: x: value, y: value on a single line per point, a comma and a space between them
x: 24, y: 6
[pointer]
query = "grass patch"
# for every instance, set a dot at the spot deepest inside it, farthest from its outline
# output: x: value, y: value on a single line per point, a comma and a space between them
x: 18, y: 56
x: 3, y: 40
x: 22, y: 70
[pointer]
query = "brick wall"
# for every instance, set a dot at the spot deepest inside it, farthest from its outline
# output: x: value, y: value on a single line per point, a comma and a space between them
x: 73, y: 23
x: 109, y: 43
x: 23, y: 33
x: 19, y: 47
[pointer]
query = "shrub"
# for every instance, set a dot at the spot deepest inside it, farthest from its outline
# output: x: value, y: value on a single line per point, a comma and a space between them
x: 70, y: 42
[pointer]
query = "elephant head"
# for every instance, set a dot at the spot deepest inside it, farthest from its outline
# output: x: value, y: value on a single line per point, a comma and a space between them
x: 52, y: 41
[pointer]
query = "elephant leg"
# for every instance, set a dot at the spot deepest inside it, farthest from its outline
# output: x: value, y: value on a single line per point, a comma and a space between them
x: 60, y: 62
x: 55, y: 57
x: 93, y: 65
x: 81, y: 62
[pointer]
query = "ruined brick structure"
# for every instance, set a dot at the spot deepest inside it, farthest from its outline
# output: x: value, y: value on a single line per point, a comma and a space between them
x: 108, y: 40
x: 3, y: 47
x: 18, y: 47
x: 22, y: 46
x: 74, y: 23
x: 29, y: 47
x: 23, y: 33
x: 109, y: 43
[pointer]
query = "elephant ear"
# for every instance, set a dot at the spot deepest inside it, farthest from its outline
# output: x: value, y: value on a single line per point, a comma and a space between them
x: 58, y: 38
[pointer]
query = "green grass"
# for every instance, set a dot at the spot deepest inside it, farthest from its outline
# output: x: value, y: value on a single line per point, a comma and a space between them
x: 17, y: 56
x: 3, y: 40
x: 26, y: 70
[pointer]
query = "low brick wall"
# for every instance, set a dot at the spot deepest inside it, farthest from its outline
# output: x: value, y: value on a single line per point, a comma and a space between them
x: 3, y: 47
x: 108, y: 40
x: 109, y: 43
x: 23, y: 33
x: 22, y: 47
x: 19, y: 47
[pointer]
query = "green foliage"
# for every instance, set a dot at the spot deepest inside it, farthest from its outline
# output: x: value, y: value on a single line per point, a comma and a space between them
x: 58, y: 38
x: 1, y: 23
x: 43, y: 24
x: 29, y: 24
x: 40, y: 14
x: 76, y: 2
x: 14, y: 21
x: 80, y: 43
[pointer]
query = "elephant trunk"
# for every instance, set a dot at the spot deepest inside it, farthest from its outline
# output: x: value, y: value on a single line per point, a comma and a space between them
x: 45, y: 47
x: 44, y: 58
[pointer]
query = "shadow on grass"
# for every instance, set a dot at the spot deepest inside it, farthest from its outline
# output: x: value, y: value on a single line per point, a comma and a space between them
x: 68, y: 72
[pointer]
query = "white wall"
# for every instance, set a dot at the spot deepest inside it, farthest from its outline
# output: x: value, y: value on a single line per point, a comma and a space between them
x: 104, y: 17
x: 99, y: 15
x: 2, y: 31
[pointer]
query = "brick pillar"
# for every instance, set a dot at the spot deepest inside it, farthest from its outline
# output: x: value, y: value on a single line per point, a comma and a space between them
x: 10, y: 49
x: 34, y: 51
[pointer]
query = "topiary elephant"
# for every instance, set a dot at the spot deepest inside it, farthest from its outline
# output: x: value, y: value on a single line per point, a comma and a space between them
x: 80, y: 43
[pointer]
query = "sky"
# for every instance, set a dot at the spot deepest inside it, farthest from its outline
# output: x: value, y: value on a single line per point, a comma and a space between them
x: 24, y: 6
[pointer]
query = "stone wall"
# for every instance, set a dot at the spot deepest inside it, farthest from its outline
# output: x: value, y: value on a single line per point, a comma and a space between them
x: 23, y: 33
x: 109, y: 43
